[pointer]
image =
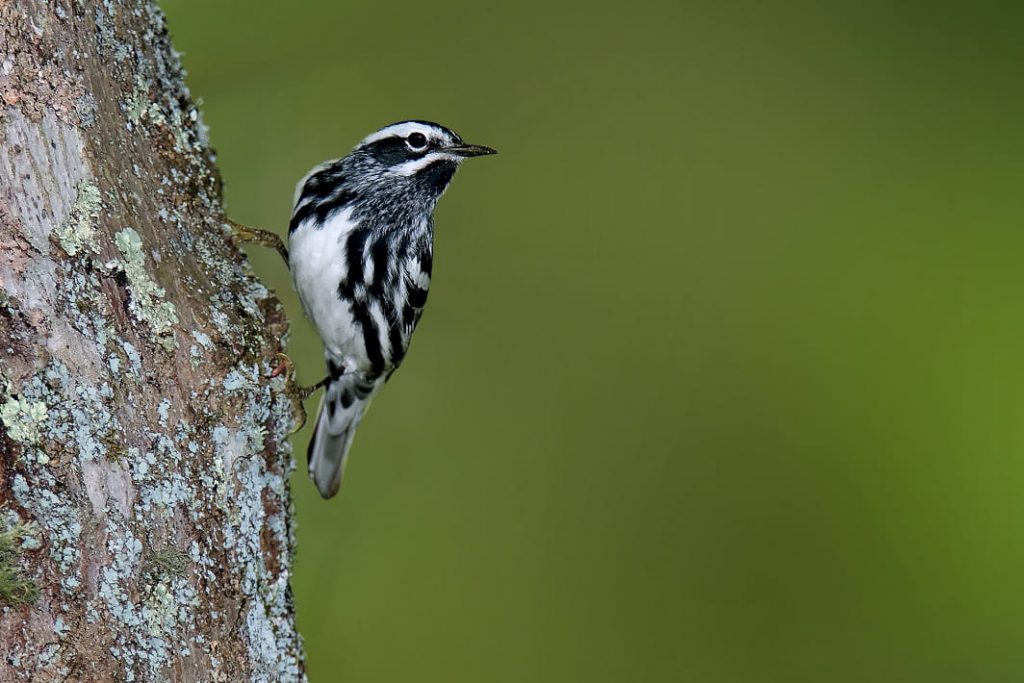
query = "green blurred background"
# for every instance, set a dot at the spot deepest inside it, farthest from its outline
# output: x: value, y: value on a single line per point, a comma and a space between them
x: 721, y: 377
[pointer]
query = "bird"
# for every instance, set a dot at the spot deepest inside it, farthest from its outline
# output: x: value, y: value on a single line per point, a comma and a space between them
x: 361, y: 253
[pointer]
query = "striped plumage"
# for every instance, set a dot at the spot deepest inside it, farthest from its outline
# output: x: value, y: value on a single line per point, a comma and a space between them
x: 361, y: 253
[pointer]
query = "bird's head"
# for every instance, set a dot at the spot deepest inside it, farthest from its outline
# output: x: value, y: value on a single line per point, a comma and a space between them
x: 417, y: 153
x: 393, y: 177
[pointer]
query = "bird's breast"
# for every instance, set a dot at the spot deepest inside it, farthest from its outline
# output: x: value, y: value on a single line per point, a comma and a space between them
x: 318, y: 265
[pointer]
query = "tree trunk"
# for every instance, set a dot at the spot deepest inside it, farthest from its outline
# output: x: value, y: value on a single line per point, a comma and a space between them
x: 145, y: 514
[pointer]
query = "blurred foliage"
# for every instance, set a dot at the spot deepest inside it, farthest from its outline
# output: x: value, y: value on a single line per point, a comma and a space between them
x: 720, y: 379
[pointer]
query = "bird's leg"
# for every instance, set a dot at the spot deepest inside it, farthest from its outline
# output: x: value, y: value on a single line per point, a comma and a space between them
x: 250, y: 235
x: 295, y: 393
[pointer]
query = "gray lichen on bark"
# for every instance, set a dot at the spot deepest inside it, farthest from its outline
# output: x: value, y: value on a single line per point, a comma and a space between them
x: 141, y: 440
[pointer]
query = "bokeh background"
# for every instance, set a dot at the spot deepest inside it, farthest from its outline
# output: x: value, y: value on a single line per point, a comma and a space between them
x: 721, y: 377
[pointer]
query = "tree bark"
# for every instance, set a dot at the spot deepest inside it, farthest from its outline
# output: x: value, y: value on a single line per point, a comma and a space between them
x: 145, y: 513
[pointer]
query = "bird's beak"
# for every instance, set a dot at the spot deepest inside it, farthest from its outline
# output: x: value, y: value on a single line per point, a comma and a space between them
x: 470, y: 150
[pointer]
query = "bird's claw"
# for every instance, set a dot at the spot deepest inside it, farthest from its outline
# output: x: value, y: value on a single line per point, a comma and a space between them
x: 299, y: 411
x: 284, y: 365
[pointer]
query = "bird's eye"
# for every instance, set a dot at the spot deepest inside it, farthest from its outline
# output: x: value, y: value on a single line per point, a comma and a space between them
x: 417, y: 141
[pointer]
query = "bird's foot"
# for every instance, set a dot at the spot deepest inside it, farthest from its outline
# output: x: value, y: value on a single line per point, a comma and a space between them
x: 295, y: 393
x: 246, y: 234
x: 285, y: 366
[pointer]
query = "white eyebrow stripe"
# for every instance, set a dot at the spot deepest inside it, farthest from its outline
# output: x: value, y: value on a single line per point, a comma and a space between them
x: 403, y: 130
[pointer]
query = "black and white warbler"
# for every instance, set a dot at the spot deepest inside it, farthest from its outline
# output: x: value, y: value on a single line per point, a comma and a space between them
x: 360, y: 248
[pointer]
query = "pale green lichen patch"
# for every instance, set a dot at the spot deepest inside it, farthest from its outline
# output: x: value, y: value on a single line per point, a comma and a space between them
x: 138, y: 107
x: 147, y: 302
x: 160, y: 610
x: 78, y: 233
x: 22, y: 419
x: 16, y: 589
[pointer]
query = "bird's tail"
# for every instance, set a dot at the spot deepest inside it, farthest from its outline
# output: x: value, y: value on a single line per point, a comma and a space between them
x: 344, y: 401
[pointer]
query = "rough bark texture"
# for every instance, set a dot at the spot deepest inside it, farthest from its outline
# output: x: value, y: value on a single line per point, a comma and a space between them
x: 145, y: 515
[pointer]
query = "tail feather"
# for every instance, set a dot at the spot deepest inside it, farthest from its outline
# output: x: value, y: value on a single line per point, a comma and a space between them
x: 344, y: 401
